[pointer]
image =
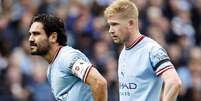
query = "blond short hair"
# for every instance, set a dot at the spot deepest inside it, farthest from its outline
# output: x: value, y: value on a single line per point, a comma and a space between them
x: 124, y: 8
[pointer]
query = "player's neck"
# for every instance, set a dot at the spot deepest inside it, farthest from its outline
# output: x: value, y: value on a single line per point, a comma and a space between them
x: 52, y: 54
x: 132, y: 40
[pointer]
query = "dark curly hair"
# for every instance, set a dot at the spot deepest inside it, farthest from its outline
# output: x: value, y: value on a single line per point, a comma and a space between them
x: 52, y: 24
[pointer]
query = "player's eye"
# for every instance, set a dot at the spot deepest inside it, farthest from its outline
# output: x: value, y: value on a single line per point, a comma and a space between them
x: 114, y: 24
x: 107, y: 26
x: 36, y: 33
x: 29, y: 34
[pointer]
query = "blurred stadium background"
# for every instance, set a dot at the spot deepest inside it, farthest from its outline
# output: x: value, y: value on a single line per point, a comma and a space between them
x: 175, y: 24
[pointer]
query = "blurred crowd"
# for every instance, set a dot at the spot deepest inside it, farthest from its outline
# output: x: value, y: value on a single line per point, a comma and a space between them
x: 175, y: 24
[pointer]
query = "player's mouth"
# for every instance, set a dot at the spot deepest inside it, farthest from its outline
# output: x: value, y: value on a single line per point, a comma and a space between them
x: 114, y: 37
x: 33, y: 45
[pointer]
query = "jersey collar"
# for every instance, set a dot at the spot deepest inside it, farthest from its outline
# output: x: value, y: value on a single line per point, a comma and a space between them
x: 54, y: 57
x: 135, y: 42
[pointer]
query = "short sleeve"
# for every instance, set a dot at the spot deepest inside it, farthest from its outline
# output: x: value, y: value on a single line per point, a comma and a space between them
x: 80, y: 66
x: 160, y: 60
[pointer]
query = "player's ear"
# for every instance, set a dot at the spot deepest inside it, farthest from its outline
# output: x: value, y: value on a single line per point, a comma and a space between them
x: 53, y: 37
x: 131, y: 22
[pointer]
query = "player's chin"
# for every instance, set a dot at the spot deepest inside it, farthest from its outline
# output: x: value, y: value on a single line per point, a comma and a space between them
x: 33, y: 51
x: 116, y: 41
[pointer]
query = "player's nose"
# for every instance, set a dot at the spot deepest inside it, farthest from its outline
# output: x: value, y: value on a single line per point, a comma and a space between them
x: 31, y: 38
x: 111, y: 30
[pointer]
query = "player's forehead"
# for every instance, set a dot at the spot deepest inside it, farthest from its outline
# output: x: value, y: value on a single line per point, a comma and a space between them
x: 36, y: 26
x: 110, y: 21
x: 114, y: 18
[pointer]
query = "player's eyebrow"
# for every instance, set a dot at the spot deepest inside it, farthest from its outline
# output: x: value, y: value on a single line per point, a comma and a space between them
x: 34, y: 33
x: 113, y: 23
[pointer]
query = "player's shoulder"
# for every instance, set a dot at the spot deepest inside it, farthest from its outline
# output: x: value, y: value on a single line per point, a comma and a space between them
x: 69, y: 52
x: 69, y: 55
x: 154, y: 47
x: 150, y: 43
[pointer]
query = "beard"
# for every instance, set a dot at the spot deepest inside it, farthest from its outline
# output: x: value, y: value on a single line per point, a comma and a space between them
x: 118, y: 41
x: 41, y: 50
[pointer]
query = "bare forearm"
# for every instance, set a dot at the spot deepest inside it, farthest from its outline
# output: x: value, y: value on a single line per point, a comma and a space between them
x: 100, y: 92
x: 98, y: 85
x: 172, y: 85
x: 171, y: 92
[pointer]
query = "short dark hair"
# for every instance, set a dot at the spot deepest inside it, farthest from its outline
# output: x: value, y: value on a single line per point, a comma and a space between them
x: 52, y: 24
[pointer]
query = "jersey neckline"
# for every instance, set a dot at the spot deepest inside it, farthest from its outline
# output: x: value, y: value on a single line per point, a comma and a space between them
x: 135, y: 42
x: 57, y: 52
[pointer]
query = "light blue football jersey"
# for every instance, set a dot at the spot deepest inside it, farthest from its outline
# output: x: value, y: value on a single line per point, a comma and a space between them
x: 139, y: 69
x: 65, y: 85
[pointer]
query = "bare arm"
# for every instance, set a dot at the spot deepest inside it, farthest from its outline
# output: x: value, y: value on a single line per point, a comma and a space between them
x: 172, y: 85
x: 98, y: 85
